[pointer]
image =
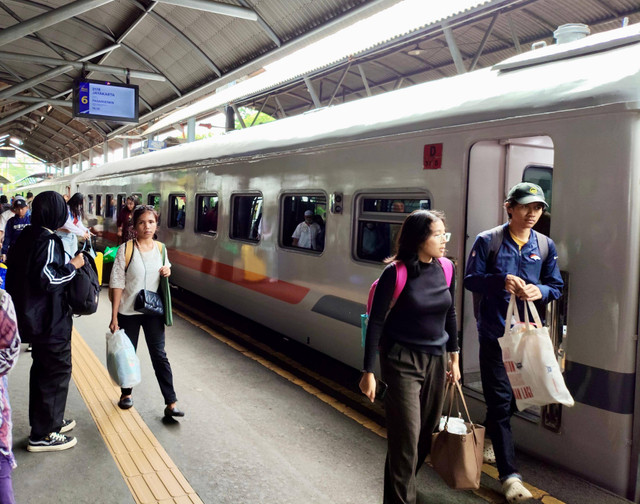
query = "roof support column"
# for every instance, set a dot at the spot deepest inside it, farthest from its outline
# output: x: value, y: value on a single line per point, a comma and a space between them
x: 90, y: 156
x: 125, y: 148
x: 239, y: 116
x: 105, y: 152
x: 191, y: 129
x: 230, y: 120
x: 312, y: 92
x: 514, y: 35
x: 364, y: 80
x: 453, y: 49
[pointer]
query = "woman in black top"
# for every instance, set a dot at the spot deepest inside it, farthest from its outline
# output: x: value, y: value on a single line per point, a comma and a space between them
x: 413, y: 336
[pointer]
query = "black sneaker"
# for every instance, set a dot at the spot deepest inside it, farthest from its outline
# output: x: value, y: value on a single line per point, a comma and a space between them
x: 29, y: 348
x: 67, y: 425
x: 53, y: 442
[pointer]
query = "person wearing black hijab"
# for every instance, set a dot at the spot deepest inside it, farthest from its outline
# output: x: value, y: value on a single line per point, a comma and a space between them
x: 37, y: 279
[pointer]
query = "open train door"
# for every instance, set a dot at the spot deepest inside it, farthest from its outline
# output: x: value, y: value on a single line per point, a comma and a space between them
x: 494, y: 167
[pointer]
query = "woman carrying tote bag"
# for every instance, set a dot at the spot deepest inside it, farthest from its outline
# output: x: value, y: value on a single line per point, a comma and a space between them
x: 136, y: 276
x: 414, y: 337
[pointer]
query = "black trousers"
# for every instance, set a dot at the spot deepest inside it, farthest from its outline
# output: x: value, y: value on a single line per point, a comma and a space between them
x: 413, y: 406
x: 153, y: 328
x: 49, y: 386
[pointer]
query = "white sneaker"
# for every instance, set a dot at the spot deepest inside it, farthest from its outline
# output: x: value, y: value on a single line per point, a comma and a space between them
x: 515, y: 491
x: 488, y: 455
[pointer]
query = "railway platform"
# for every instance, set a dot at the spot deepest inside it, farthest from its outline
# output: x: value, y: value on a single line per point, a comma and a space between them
x: 253, y: 433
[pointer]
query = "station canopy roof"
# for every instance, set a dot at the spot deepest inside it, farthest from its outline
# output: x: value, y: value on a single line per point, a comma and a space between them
x: 196, y: 48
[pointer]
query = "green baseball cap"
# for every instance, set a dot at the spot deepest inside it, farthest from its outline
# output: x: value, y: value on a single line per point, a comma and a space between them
x: 525, y: 193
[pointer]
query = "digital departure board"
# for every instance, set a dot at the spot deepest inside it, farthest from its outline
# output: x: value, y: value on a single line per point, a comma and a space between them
x: 105, y: 101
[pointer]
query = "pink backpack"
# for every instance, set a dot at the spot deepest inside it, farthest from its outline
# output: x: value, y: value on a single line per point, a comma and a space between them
x: 401, y: 280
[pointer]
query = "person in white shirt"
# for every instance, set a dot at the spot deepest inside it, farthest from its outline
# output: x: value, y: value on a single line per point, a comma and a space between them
x: 306, y: 233
x: 73, y: 227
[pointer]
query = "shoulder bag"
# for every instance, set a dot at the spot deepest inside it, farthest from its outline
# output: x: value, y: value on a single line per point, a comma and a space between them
x: 457, y: 458
x: 148, y: 302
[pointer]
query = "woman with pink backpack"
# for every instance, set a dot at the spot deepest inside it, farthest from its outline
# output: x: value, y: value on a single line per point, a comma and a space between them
x: 416, y: 335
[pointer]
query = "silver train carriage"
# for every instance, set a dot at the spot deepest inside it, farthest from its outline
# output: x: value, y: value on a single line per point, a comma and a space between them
x: 565, y: 117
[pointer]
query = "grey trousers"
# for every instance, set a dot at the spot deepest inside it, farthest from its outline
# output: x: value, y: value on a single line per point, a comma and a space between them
x: 413, y: 406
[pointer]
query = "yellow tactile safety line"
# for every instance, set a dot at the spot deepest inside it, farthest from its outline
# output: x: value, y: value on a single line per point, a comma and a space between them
x: 146, y: 467
x: 484, y: 493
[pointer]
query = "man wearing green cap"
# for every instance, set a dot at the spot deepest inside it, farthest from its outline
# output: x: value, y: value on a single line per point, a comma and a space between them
x: 509, y: 259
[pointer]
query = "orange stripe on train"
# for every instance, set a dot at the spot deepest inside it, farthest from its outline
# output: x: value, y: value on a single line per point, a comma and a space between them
x: 284, y: 291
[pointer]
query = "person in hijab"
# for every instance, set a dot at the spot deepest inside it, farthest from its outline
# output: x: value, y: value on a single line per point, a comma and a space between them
x: 37, y: 278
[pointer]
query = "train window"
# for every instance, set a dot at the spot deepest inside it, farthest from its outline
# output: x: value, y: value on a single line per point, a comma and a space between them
x: 154, y: 201
x: 207, y: 214
x: 177, y: 210
x: 98, y: 204
x: 246, y: 217
x: 379, y: 219
x: 303, y: 221
x: 121, y: 201
x: 90, y: 205
x: 110, y: 207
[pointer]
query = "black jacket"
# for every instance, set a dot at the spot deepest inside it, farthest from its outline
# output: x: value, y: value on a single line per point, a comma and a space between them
x: 37, y: 276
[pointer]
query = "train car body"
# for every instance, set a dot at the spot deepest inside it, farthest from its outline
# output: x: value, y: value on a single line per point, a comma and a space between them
x: 566, y: 117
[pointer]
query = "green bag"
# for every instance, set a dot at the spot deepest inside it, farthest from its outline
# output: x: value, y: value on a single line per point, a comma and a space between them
x: 109, y: 254
x: 165, y: 293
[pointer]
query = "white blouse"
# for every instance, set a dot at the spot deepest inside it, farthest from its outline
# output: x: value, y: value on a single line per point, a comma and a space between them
x: 133, y: 281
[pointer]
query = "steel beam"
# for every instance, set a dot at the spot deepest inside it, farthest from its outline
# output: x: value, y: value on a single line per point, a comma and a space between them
x: 364, y: 80
x: 215, y: 8
x: 484, y: 42
x: 453, y: 49
x: 36, y: 99
x: 263, y: 24
x: 514, y: 35
x: 37, y: 23
x: 41, y: 60
x: 34, y: 81
x: 316, y: 101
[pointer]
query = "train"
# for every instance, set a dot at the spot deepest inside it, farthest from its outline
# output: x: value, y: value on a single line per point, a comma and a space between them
x: 566, y: 117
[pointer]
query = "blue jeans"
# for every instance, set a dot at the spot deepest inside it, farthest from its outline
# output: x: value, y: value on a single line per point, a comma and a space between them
x: 501, y: 405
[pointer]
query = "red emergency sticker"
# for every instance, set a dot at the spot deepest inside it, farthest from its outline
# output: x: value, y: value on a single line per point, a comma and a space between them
x: 433, y: 156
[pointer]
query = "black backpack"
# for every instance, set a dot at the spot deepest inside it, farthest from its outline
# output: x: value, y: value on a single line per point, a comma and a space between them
x: 83, y: 292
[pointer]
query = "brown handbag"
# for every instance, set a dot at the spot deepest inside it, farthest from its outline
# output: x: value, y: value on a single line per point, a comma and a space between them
x: 457, y: 458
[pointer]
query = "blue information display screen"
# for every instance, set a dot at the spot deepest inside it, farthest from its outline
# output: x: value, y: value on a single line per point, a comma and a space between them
x: 105, y: 101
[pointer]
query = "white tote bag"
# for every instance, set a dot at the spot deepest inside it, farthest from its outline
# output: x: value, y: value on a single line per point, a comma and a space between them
x: 530, y: 361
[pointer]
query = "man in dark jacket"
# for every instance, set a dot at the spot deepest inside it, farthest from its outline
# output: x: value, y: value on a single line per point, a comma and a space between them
x: 37, y: 279
x: 521, y: 267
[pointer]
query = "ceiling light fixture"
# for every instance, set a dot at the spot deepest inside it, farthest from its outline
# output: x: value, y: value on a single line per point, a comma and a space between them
x: 415, y: 52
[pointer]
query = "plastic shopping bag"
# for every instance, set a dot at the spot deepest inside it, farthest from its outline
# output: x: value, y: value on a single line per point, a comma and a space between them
x: 122, y: 362
x: 3, y: 274
x: 530, y: 361
x: 110, y: 254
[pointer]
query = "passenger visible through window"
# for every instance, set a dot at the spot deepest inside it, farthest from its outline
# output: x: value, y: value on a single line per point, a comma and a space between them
x: 246, y: 217
x: 177, y: 210
x: 379, y: 220
x: 303, y: 221
x: 154, y: 201
x: 90, y: 205
x: 110, y: 207
x: 207, y: 214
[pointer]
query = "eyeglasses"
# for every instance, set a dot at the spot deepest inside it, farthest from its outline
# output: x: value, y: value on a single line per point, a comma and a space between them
x: 444, y: 237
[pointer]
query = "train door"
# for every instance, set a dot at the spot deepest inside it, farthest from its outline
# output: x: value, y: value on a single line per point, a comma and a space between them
x: 494, y: 167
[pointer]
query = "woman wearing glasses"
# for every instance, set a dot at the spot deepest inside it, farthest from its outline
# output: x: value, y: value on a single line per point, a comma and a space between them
x: 139, y: 269
x: 415, y: 336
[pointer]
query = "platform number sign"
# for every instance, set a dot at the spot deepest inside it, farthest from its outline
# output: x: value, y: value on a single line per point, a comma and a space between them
x: 433, y: 156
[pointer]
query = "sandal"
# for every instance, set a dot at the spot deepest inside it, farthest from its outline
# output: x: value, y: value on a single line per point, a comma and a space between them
x: 515, y: 491
x: 488, y: 455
